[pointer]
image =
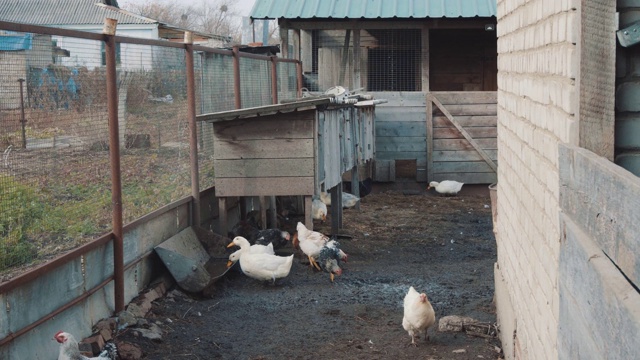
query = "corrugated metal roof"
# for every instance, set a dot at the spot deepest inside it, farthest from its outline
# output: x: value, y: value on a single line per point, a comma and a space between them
x: 372, y: 9
x: 66, y: 12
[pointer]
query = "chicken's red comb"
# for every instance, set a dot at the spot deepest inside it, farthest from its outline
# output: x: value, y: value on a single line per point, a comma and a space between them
x: 58, y: 333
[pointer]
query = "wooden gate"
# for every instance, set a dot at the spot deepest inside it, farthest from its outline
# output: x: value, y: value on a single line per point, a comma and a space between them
x: 462, y: 136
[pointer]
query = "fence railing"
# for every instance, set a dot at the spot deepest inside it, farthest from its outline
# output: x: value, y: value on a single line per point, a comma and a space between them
x: 98, y: 130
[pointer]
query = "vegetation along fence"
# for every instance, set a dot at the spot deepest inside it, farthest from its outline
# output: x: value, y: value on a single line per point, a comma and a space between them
x: 98, y: 130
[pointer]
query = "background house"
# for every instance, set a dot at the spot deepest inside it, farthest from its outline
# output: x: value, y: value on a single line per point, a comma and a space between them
x: 89, y: 15
x: 404, y: 51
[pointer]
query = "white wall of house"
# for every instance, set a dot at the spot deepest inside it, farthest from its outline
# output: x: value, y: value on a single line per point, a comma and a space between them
x: 88, y: 52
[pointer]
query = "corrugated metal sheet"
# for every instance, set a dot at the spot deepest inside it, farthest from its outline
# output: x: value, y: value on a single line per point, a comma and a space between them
x: 372, y: 9
x: 65, y: 12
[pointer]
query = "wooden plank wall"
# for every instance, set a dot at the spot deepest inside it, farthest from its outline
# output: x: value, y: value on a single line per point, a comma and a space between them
x: 265, y: 155
x: 454, y: 158
x: 400, y: 133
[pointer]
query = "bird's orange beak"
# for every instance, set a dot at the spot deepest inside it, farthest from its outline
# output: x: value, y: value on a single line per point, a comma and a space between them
x: 428, y: 187
x: 229, y: 263
x: 231, y: 245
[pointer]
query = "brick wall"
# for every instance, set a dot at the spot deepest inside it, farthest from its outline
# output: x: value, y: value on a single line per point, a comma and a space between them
x: 537, y: 109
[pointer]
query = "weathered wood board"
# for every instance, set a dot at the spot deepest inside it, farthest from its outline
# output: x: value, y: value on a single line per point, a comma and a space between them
x: 454, y: 156
x: 605, y: 199
x: 599, y: 310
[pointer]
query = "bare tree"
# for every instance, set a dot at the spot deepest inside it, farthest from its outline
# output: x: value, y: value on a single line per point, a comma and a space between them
x: 210, y: 16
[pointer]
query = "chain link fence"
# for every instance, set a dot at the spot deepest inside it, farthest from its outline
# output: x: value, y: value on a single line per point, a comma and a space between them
x: 55, y: 171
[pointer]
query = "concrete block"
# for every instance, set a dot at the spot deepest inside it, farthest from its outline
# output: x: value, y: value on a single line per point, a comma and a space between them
x: 96, y: 342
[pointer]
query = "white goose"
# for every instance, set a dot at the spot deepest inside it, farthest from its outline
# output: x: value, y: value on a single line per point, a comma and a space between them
x: 446, y: 187
x: 261, y: 266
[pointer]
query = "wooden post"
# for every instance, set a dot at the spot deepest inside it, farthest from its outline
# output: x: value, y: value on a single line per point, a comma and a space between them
x: 273, y: 216
x: 222, y: 216
x: 308, y: 220
x: 109, y: 31
x: 345, y: 59
x: 193, y: 130
x: 357, y: 81
x: 263, y: 212
x: 425, y: 58
x: 306, y: 51
x: 429, y: 138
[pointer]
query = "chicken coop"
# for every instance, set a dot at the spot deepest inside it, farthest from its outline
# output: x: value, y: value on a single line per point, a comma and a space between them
x: 291, y: 149
x: 435, y: 62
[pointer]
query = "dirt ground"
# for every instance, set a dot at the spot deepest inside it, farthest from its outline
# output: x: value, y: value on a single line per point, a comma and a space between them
x: 443, y: 246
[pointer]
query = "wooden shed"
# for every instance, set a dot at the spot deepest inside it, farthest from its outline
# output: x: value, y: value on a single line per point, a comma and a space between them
x: 296, y: 148
x: 435, y: 62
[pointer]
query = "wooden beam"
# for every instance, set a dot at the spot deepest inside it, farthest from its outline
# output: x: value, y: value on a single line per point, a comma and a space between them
x: 273, y: 216
x: 306, y: 51
x: 464, y: 133
x: 296, y: 44
x: 284, y: 42
x: 342, y: 24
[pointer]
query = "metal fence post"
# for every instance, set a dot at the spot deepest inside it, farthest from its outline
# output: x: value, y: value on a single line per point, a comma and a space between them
x: 109, y: 31
x: 193, y: 134
x: 274, y: 80
x: 23, y: 121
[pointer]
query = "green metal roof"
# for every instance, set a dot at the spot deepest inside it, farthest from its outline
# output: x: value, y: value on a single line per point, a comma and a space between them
x: 372, y: 9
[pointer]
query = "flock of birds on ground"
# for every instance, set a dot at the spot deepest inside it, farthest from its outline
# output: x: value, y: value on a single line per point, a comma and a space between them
x: 258, y: 260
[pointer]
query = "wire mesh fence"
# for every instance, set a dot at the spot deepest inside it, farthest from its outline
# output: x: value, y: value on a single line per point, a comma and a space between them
x: 55, y: 175
x: 387, y: 60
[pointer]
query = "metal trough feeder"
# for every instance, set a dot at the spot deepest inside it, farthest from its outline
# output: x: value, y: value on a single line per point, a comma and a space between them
x: 186, y: 259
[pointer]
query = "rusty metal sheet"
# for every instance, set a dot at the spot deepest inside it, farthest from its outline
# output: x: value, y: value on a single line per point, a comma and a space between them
x: 185, y: 258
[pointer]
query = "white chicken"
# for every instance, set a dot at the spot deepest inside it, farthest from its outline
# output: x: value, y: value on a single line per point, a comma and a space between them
x: 311, y: 243
x: 318, y: 210
x: 446, y: 187
x: 348, y: 200
x: 69, y: 349
x: 418, y: 314
x: 265, y: 267
x: 253, y: 249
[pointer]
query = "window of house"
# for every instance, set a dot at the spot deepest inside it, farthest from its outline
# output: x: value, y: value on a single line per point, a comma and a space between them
x: 104, y: 54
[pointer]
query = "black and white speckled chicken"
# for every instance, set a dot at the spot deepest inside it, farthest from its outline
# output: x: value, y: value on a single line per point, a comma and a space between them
x: 245, y: 228
x: 330, y: 257
x: 69, y: 349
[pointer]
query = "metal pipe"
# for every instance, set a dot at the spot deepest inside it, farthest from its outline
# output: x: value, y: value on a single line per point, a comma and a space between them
x: 114, y: 153
x: 23, y: 121
x: 46, y: 30
x: 193, y: 134
x: 274, y: 80
x: 236, y: 77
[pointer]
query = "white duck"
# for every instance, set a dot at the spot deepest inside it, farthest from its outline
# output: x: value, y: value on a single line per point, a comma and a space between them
x: 253, y: 249
x: 446, y: 187
x: 265, y: 267
x: 318, y: 210
x: 348, y: 200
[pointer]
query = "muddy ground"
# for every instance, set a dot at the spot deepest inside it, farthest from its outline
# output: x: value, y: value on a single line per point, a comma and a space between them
x: 443, y: 246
